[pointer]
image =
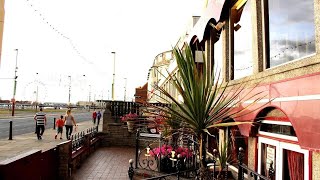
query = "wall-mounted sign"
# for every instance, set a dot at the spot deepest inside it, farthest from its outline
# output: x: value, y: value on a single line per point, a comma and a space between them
x: 270, y: 157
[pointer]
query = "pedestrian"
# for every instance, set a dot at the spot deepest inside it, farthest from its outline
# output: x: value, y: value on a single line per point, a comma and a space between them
x: 98, y: 117
x: 94, y: 117
x: 59, y: 124
x: 41, y: 121
x: 69, y: 123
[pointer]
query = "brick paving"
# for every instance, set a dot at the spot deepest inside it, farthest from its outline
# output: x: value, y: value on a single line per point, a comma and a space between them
x: 110, y: 163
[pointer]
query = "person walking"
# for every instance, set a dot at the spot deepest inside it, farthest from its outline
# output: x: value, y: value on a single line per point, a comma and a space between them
x: 94, y: 117
x: 98, y: 117
x: 41, y: 121
x: 59, y: 124
x: 69, y: 123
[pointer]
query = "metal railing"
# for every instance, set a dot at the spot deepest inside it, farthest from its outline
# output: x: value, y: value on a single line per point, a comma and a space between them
x: 78, y: 139
x: 148, y: 156
x: 242, y: 167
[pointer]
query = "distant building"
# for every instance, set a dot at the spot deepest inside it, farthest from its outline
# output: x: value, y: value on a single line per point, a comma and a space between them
x: 141, y: 94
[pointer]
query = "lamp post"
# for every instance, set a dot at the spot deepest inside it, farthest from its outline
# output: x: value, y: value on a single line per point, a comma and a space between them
x: 37, y: 89
x: 125, y: 89
x: 69, y: 90
x: 114, y: 73
x: 89, y: 96
x: 15, y: 83
x: 83, y: 87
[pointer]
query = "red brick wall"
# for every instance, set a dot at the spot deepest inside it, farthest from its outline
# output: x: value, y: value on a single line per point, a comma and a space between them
x: 141, y: 94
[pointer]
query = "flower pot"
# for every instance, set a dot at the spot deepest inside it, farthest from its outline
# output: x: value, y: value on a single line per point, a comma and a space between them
x: 166, y: 165
x: 130, y: 125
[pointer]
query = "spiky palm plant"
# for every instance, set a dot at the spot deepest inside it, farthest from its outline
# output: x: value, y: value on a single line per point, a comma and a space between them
x: 205, y: 101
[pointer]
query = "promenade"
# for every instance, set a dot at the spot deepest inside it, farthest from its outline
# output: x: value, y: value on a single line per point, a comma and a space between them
x: 23, y: 143
x: 109, y: 163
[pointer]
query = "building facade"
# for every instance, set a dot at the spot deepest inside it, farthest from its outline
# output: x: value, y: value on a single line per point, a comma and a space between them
x: 1, y: 25
x: 275, y: 43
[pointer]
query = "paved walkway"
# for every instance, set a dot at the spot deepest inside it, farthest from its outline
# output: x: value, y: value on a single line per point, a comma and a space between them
x: 26, y: 142
x: 110, y: 163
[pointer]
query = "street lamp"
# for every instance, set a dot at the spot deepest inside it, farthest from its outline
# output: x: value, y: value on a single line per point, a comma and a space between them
x: 83, y: 87
x: 89, y: 93
x: 114, y: 73
x: 125, y: 89
x: 89, y: 97
x: 69, y: 90
x: 15, y: 83
x: 37, y: 82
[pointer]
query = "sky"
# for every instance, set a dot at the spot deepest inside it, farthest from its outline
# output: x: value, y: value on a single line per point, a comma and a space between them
x: 64, y: 44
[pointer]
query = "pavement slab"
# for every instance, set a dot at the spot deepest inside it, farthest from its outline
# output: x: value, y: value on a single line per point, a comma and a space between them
x: 23, y: 143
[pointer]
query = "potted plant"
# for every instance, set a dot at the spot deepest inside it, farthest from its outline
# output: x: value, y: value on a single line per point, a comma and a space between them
x: 204, y: 101
x: 130, y: 120
x: 165, y: 152
x: 156, y: 122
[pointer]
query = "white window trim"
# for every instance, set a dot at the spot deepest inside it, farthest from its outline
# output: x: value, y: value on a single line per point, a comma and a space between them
x: 276, y: 122
x: 280, y: 146
x: 280, y: 136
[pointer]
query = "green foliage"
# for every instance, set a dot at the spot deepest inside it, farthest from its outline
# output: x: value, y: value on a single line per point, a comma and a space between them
x: 205, y: 101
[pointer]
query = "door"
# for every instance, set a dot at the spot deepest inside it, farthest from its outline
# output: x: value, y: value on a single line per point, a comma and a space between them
x: 289, y: 161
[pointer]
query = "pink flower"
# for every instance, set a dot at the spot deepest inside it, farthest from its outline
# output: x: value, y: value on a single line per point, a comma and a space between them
x: 166, y: 150
x: 129, y: 117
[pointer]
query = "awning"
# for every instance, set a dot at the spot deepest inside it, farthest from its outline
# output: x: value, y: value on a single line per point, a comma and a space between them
x: 211, y: 13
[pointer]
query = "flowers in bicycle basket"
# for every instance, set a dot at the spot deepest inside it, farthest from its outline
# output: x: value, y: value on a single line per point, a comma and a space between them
x: 129, y: 117
x: 166, y: 151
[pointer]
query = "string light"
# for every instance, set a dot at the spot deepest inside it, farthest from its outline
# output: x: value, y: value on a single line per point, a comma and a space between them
x: 292, y: 48
x: 240, y: 69
x: 74, y: 47
x: 280, y: 54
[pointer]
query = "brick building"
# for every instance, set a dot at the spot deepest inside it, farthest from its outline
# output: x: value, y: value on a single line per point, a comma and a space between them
x: 141, y: 94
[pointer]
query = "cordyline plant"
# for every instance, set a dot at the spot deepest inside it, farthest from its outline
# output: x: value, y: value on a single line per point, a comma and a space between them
x: 205, y: 102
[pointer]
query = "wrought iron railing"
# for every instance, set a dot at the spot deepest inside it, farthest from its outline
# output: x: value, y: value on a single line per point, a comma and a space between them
x: 146, y: 163
x: 242, y: 167
x: 121, y: 108
x: 92, y: 132
x: 78, y: 139
x: 177, y: 174
x: 148, y: 157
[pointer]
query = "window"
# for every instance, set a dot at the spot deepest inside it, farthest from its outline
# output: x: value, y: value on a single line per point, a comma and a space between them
x: 290, y: 30
x: 243, y: 41
x: 278, y: 129
x: 218, y: 60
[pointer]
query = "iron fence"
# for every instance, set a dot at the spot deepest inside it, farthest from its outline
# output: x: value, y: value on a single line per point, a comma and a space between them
x: 153, y: 152
x: 78, y: 139
x: 242, y: 168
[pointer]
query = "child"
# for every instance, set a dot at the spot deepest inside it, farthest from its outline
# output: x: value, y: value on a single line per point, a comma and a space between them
x: 59, y: 124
